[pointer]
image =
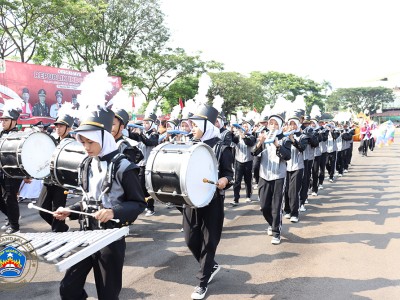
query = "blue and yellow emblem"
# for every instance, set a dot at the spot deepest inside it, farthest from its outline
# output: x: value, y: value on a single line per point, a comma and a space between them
x: 12, y: 262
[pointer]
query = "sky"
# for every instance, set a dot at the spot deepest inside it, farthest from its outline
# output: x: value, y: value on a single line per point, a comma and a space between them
x: 348, y: 43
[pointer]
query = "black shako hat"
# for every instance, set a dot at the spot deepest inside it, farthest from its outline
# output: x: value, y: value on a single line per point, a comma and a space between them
x: 250, y: 122
x: 99, y: 119
x: 205, y: 112
x: 12, y: 114
x: 122, y: 115
x: 150, y: 117
x: 65, y: 120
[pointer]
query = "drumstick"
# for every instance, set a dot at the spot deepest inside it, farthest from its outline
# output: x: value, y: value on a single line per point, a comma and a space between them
x: 85, y: 213
x: 205, y: 180
x: 30, y: 205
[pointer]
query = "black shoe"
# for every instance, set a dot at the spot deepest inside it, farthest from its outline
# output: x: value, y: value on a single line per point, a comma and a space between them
x: 214, y: 272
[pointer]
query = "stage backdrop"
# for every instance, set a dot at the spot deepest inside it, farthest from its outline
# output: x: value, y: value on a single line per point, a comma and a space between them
x: 16, y: 78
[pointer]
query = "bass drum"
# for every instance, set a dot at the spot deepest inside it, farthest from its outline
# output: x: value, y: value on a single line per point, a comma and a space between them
x: 26, y: 154
x: 175, y: 172
x: 65, y: 163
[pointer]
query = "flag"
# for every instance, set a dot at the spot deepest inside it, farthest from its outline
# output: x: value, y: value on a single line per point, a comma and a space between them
x: 181, y: 103
x: 133, y: 100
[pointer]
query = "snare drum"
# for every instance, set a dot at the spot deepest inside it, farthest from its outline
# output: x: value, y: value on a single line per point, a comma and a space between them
x: 65, y: 162
x: 26, y: 154
x: 175, y: 172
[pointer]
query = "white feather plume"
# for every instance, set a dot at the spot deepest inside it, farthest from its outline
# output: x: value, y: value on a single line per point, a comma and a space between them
x: 67, y: 110
x: 218, y: 102
x: 94, y: 89
x: 175, y: 112
x: 252, y: 115
x: 239, y: 116
x: 280, y: 106
x: 121, y: 100
x: 315, y: 112
x: 151, y: 107
x: 266, y: 111
x: 190, y: 107
x: 204, y: 85
x: 12, y: 104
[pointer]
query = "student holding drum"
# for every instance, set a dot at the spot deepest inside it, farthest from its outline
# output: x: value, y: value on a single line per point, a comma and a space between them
x: 203, y: 226
x: 53, y: 196
x: 9, y: 202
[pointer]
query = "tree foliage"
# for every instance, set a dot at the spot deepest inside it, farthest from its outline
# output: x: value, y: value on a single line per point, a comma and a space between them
x: 155, y: 72
x: 361, y: 99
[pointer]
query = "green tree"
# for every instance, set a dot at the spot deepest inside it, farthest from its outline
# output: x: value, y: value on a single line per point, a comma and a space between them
x: 26, y: 24
x: 115, y: 32
x: 289, y: 86
x: 361, y: 99
x: 238, y: 91
x: 185, y: 88
x: 155, y: 72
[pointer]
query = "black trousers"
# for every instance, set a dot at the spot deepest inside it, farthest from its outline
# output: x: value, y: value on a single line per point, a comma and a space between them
x: 350, y: 153
x: 242, y: 170
x: 107, y: 266
x: 271, y: 193
x: 142, y: 177
x: 292, y: 192
x: 364, y: 147
x: 203, y: 229
x: 8, y: 199
x: 305, y: 182
x: 340, y: 161
x: 321, y: 171
x: 314, y: 173
x: 52, y: 197
x: 256, y: 168
x: 331, y: 163
x: 346, y: 158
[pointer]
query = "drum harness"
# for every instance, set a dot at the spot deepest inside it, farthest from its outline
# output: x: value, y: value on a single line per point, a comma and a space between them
x: 94, y: 205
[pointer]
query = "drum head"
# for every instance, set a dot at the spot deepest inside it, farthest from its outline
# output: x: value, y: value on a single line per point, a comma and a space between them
x: 201, y: 164
x: 36, y: 154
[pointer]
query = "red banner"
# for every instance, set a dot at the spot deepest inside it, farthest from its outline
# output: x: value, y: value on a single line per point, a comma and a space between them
x: 29, y: 81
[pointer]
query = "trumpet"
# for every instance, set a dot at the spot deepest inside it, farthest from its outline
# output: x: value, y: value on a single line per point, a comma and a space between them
x: 271, y: 137
x: 136, y: 126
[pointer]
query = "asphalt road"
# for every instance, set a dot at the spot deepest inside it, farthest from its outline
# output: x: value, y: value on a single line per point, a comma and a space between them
x: 346, y: 246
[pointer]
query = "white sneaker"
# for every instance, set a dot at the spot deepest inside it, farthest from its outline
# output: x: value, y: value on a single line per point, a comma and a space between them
x: 320, y: 187
x: 149, y: 213
x: 287, y: 216
x: 306, y: 201
x: 5, y: 226
x: 309, y: 192
x: 276, y: 240
x: 294, y: 219
x: 314, y: 194
x: 302, y: 208
x: 169, y: 205
x: 345, y: 171
x: 199, y: 292
x: 269, y: 230
x: 255, y: 186
x: 248, y: 200
x: 340, y: 175
x: 330, y: 180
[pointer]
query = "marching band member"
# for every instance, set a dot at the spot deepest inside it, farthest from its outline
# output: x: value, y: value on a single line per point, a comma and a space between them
x: 53, y: 196
x: 263, y: 127
x: 331, y: 149
x: 308, y: 162
x: 126, y: 146
x: 123, y: 199
x: 244, y: 142
x: 10, y: 186
x: 317, y: 158
x: 294, y: 171
x: 323, y: 132
x: 339, y: 153
x: 225, y: 134
x: 365, y: 132
x: 203, y: 226
x: 272, y: 175
x: 148, y: 139
x: 348, y: 140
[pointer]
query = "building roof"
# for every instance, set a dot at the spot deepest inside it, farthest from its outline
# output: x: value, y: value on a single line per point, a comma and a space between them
x: 388, y: 113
